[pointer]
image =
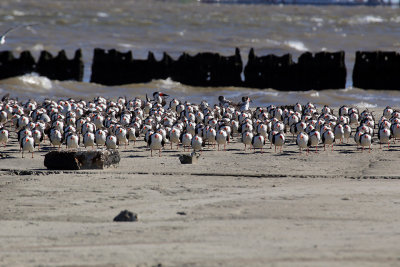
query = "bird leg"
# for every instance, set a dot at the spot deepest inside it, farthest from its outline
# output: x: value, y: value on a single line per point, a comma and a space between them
x: 151, y: 152
x: 159, y: 152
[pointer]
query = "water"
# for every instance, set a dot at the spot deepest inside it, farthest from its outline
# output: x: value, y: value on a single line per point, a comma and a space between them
x: 193, y: 26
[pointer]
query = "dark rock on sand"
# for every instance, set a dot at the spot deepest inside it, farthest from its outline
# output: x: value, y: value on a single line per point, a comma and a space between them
x: 78, y: 160
x: 189, y: 159
x: 126, y: 216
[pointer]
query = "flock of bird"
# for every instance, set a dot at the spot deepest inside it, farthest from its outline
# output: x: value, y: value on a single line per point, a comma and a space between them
x: 113, y: 124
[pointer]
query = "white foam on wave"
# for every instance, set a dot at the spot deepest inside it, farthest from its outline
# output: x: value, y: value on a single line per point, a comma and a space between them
x: 368, y: 19
x: 38, y: 47
x: 297, y: 45
x: 315, y: 94
x: 124, y: 45
x: 39, y: 83
x: 18, y: 13
x: 168, y: 83
x: 102, y: 15
x: 365, y: 105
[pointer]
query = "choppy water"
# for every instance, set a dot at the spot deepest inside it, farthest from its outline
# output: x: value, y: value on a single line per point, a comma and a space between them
x: 192, y: 26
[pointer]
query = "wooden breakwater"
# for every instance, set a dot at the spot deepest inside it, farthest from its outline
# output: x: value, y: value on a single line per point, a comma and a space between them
x: 318, y: 71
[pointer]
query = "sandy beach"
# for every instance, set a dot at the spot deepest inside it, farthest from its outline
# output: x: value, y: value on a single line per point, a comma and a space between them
x: 232, y: 208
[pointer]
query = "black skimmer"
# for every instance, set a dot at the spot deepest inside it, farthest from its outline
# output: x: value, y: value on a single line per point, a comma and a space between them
x: 156, y: 142
x: 111, y: 142
x: 343, y: 111
x: 395, y: 129
x: 339, y: 132
x: 354, y: 118
x: 384, y: 136
x: 133, y: 134
x: 186, y: 140
x: 197, y: 143
x: 302, y: 141
x: 100, y: 137
x: 247, y: 138
x: 22, y: 134
x: 245, y: 104
x: 278, y: 140
x: 366, y: 140
x: 3, y: 136
x: 37, y: 137
x: 3, y: 117
x: 347, y: 131
x: 122, y: 136
x: 89, y: 140
x: 211, y: 135
x: 298, y: 108
x: 258, y: 142
x: 158, y: 98
x: 223, y: 102
x: 262, y: 129
x: 72, y: 141
x: 314, y: 139
x: 4, y: 35
x: 175, y: 136
x: 28, y: 145
x: 387, y: 112
x: 328, y: 138
x: 55, y: 137
x: 222, y: 138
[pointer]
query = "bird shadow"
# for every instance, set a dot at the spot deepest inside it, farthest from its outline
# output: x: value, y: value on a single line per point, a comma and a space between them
x: 234, y: 149
x: 284, y: 153
x: 137, y: 156
x: 243, y: 152
x: 347, y: 151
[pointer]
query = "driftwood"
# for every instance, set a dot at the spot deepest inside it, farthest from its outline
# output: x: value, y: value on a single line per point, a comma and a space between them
x: 79, y: 160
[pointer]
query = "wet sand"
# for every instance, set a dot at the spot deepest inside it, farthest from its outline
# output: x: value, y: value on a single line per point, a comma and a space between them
x: 235, y: 208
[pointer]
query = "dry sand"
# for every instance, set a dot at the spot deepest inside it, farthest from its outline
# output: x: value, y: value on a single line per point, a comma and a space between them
x: 241, y: 209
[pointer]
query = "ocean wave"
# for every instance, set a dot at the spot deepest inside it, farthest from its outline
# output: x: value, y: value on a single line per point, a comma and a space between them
x: 39, y: 83
x: 367, y: 19
x: 297, y: 45
x: 365, y: 105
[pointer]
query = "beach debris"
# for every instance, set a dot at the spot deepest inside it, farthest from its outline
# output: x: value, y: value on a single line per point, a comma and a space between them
x: 181, y: 213
x: 4, y: 156
x: 78, y: 160
x: 126, y: 216
x: 189, y: 159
